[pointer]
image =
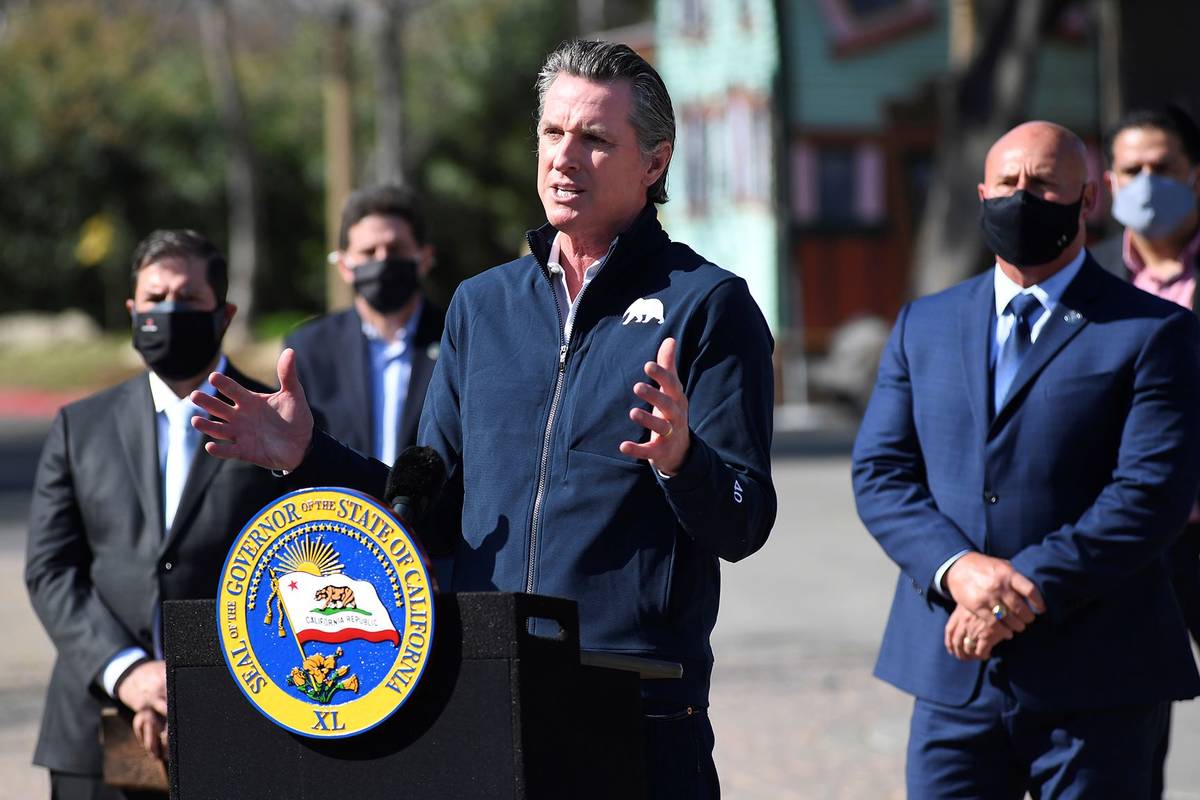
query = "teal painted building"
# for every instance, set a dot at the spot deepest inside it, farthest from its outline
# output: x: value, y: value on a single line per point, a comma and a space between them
x: 806, y: 137
x: 720, y: 61
x: 861, y: 78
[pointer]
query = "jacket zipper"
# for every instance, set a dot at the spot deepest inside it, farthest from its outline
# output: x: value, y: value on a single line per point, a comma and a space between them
x: 539, y: 497
x: 535, y: 522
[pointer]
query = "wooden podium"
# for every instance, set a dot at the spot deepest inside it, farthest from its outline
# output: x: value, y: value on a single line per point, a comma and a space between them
x: 499, y: 713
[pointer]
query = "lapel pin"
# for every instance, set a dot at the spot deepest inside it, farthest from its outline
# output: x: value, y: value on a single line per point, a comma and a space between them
x: 1072, y: 317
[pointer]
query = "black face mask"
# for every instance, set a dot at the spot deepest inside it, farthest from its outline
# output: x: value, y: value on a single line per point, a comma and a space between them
x: 1027, y: 231
x: 177, y: 344
x: 386, y: 285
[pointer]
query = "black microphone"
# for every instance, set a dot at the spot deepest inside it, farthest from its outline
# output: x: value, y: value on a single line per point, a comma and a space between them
x: 415, y: 481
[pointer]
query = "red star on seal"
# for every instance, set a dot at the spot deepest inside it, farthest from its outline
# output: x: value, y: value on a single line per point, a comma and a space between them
x: 293, y: 585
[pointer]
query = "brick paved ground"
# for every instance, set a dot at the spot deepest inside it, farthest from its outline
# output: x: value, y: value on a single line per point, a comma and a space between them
x: 796, y: 710
x: 808, y: 726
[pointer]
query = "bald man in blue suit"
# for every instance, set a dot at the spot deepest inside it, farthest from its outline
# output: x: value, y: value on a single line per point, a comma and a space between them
x: 1028, y: 456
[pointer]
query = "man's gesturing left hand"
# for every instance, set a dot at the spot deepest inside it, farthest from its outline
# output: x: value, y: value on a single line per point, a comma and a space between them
x: 668, y: 425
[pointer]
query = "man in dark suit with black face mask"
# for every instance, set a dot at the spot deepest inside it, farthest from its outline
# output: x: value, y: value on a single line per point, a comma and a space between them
x: 365, y: 370
x: 129, y: 510
x: 1029, y: 455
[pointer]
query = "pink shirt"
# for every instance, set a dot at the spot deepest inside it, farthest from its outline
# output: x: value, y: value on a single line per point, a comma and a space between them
x: 1180, y: 289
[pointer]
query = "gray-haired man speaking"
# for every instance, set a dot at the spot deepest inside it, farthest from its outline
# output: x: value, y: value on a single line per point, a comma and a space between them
x: 604, y: 405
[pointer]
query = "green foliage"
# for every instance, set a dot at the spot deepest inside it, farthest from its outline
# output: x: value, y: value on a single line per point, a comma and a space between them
x: 65, y: 140
x: 278, y: 324
x: 281, y: 83
x: 109, y: 116
x: 109, y: 131
x: 470, y: 70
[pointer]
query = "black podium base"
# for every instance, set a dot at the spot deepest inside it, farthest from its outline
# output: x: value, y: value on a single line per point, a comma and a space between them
x: 498, y: 714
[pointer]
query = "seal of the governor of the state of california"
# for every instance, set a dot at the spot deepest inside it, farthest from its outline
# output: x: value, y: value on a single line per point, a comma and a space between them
x: 325, y: 612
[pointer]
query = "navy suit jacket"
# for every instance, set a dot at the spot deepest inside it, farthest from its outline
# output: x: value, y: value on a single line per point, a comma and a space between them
x: 1082, y: 479
x: 334, y: 363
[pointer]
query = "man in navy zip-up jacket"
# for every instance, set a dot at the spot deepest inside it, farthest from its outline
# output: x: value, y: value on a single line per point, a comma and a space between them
x: 554, y: 507
x: 572, y: 474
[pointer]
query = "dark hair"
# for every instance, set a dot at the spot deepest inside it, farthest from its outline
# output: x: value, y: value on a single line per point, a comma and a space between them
x: 1170, y: 118
x: 652, y: 118
x: 183, y: 244
x: 387, y: 200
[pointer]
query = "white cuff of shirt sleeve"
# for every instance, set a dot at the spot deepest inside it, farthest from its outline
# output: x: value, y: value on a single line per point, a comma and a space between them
x: 116, y: 668
x: 941, y: 573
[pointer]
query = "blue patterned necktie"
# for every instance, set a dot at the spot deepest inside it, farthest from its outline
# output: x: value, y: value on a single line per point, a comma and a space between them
x: 1027, y: 309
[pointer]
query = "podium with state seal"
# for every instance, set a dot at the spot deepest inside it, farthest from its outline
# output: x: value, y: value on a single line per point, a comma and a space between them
x: 499, y: 713
x: 328, y: 667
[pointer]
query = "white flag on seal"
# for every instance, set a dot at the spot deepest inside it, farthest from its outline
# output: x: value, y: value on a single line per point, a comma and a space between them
x: 334, y: 608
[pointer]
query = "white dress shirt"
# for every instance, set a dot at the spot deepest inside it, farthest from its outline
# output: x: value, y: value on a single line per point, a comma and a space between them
x: 391, y: 370
x: 567, y: 305
x: 183, y: 449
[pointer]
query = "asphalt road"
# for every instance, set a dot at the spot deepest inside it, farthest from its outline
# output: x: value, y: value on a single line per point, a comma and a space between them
x: 796, y: 710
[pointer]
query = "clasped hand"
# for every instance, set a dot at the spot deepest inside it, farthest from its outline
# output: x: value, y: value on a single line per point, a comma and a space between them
x: 144, y: 691
x: 979, y: 585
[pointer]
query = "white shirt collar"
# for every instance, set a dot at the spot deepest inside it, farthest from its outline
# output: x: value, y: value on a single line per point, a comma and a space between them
x: 1049, y: 292
x: 567, y: 305
x: 164, y: 398
x: 553, y: 260
x: 407, y: 332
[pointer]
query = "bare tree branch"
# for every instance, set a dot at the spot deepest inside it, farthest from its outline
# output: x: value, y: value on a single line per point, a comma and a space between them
x: 977, y: 104
x: 216, y: 28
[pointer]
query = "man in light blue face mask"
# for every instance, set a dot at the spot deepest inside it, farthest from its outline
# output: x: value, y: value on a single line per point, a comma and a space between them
x: 1154, y: 158
x: 1154, y: 161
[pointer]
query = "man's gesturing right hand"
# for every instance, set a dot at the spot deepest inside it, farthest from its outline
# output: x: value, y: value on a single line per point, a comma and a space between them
x: 270, y: 430
x: 979, y: 583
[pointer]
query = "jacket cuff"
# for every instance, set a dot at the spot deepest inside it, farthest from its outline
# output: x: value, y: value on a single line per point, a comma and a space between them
x: 940, y: 575
x: 694, y: 471
x: 1026, y: 563
x: 120, y: 666
x: 319, y: 443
